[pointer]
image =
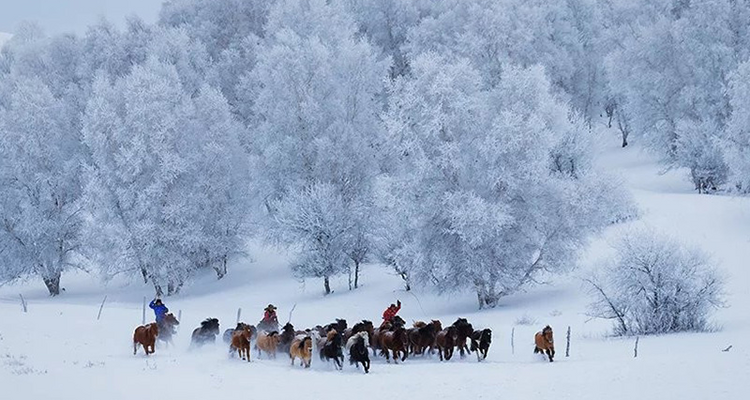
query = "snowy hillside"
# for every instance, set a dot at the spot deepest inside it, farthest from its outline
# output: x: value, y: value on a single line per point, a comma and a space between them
x: 58, y: 349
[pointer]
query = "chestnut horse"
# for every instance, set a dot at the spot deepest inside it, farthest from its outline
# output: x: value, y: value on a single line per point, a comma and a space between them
x: 445, y: 342
x: 146, y: 336
x: 241, y: 341
x: 545, y: 343
x: 395, y: 341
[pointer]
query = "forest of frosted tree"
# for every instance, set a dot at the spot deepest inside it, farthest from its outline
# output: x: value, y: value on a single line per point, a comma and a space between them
x: 451, y: 141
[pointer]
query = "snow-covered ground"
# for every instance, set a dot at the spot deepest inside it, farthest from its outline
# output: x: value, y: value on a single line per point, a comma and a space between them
x: 59, y: 350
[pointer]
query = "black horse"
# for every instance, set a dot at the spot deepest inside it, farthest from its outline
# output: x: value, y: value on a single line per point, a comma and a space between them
x: 206, y: 333
x: 464, y: 330
x: 480, y: 342
x: 358, y: 353
x: 331, y: 350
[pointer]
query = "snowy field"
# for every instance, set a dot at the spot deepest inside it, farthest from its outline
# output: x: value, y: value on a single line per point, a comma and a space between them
x: 58, y: 350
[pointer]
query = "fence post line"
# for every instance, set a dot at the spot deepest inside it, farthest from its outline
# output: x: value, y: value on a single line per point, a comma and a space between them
x: 23, y: 303
x: 179, y: 315
x: 101, y: 307
x: 635, y: 349
x: 239, y: 312
x: 567, y: 346
x: 512, y: 341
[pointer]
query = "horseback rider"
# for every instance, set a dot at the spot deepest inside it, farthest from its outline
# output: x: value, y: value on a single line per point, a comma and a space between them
x: 391, y: 311
x: 160, y: 310
x: 270, y: 320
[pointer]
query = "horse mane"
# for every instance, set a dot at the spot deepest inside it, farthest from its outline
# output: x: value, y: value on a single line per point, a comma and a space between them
x: 210, y: 322
x: 273, y: 333
x: 331, y: 335
x: 301, y: 344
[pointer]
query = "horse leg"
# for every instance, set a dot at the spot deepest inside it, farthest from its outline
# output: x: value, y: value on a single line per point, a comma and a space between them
x: 366, y: 366
x: 440, y: 353
x: 135, y: 347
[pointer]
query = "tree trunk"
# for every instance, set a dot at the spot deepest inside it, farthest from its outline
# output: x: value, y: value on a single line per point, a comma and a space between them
x: 356, y: 274
x: 349, y: 272
x: 221, y: 269
x: 158, y: 289
x: 327, y: 285
x: 53, y: 283
x: 145, y: 275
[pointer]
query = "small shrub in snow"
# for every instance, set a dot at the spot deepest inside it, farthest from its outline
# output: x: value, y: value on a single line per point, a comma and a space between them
x: 525, y: 320
x: 656, y: 285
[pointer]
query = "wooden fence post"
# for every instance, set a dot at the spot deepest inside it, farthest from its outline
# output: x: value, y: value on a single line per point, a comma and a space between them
x: 100, y: 308
x: 567, y: 346
x: 512, y: 339
x: 635, y: 349
x: 23, y: 303
x: 179, y: 315
x: 239, y: 312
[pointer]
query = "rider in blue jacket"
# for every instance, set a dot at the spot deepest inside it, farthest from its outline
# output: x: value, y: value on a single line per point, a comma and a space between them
x: 159, y: 309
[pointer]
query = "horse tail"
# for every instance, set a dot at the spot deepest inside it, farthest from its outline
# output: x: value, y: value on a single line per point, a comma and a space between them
x: 536, y: 350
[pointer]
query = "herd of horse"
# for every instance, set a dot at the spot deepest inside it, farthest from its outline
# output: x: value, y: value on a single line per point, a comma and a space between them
x: 392, y: 340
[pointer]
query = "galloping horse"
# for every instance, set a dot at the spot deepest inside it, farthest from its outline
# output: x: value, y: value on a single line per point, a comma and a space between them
x: 445, y: 342
x: 241, y: 341
x: 480, y: 342
x: 422, y: 336
x: 395, y: 341
x: 464, y: 330
x: 301, y: 347
x: 146, y: 336
x: 545, y: 343
x: 167, y: 328
x: 332, y: 349
x: 206, y: 333
x: 268, y: 342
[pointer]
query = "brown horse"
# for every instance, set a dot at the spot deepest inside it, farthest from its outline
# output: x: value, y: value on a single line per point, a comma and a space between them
x: 268, y: 342
x: 422, y: 336
x: 241, y: 341
x: 146, y: 336
x: 395, y: 341
x: 167, y: 328
x: 445, y: 342
x: 301, y: 347
x: 544, y: 342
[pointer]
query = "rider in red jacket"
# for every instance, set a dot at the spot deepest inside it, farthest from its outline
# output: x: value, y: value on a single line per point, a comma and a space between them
x: 391, y: 311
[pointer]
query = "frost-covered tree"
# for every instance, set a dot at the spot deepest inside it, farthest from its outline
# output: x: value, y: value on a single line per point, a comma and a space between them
x: 494, y: 186
x: 737, y: 140
x: 316, y: 104
x: 656, y: 284
x: 561, y: 36
x: 669, y: 72
x: 40, y: 210
x: 167, y: 184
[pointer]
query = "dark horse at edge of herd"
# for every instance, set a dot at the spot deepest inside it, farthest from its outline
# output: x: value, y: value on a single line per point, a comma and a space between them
x: 391, y: 338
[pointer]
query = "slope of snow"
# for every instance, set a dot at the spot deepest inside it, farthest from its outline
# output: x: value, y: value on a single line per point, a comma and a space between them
x: 59, y: 349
